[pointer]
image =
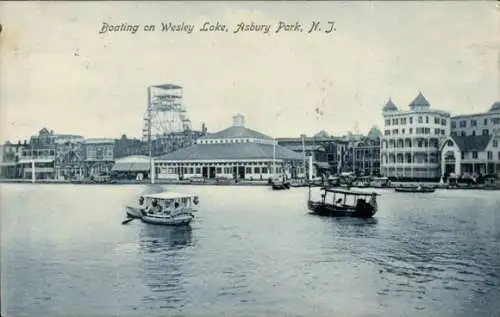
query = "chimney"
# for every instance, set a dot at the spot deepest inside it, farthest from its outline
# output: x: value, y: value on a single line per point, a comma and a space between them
x: 238, y: 120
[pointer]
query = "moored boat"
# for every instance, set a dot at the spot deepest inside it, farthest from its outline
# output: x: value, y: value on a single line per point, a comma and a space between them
x: 344, y: 203
x: 167, y: 208
x: 415, y: 189
x: 280, y: 184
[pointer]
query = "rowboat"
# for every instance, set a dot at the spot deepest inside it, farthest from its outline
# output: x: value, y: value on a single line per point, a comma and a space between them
x: 167, y: 208
x: 415, y: 189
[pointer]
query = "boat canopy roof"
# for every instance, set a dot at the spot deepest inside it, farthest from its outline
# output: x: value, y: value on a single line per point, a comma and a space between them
x: 349, y: 192
x: 168, y: 196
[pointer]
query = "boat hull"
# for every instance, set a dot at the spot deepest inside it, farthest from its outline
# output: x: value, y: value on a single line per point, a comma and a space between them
x: 177, y: 220
x: 281, y: 186
x: 329, y: 210
x: 414, y: 190
x: 134, y: 212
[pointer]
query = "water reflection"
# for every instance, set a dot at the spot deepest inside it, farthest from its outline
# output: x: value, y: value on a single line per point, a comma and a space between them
x: 166, y: 265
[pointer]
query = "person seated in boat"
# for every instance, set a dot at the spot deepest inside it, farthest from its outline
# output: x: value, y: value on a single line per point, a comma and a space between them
x: 339, y: 202
x: 155, y: 207
x: 141, y: 201
x: 360, y: 203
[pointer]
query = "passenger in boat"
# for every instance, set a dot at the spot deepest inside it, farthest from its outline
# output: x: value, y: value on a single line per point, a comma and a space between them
x: 141, y: 202
x: 155, y: 208
x: 360, y: 204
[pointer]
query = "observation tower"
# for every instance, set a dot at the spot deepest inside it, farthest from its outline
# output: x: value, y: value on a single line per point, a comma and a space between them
x: 165, y: 112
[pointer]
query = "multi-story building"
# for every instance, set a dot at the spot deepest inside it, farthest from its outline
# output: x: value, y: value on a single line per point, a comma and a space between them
x: 9, y: 157
x: 486, y: 123
x: 99, y: 156
x: 473, y: 147
x: 366, y: 153
x: 41, y: 159
x: 322, y: 147
x: 410, y: 146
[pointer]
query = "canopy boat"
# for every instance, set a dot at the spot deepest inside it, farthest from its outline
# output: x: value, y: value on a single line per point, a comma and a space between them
x: 167, y: 208
x: 415, y: 189
x: 344, y: 203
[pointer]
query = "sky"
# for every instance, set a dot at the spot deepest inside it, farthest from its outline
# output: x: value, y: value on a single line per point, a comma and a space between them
x: 57, y: 71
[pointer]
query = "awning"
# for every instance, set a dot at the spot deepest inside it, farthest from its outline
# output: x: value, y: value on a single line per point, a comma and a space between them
x: 322, y: 165
x: 37, y: 160
x: 7, y: 164
x: 131, y: 167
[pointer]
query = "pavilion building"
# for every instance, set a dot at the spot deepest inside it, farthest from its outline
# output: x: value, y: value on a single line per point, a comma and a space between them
x: 236, y: 152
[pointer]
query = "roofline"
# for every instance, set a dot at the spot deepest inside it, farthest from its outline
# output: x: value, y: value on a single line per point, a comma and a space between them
x: 474, y: 115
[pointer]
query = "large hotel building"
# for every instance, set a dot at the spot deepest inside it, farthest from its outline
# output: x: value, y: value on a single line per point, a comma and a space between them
x: 410, y: 146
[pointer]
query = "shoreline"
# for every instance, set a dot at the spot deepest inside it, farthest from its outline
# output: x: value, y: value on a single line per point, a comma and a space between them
x: 215, y: 183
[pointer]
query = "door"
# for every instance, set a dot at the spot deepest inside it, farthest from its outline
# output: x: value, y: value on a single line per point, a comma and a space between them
x: 241, y: 172
x: 211, y: 172
x: 204, y: 171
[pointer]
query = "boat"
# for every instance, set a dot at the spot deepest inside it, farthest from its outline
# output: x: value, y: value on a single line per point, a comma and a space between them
x: 280, y: 184
x: 344, y: 203
x: 380, y: 182
x: 166, y: 208
x: 415, y: 189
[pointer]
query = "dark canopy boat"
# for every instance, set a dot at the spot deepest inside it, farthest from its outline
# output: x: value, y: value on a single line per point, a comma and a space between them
x: 344, y: 203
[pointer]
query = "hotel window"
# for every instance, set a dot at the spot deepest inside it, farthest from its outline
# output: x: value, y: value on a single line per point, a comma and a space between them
x: 453, y: 124
x: 463, y: 155
x: 248, y: 170
x: 394, y: 121
x: 473, y: 123
x: 411, y: 130
x: 463, y: 133
x: 395, y: 131
x: 473, y: 133
x: 486, y: 132
x: 198, y: 170
x: 463, y: 124
x: 485, y: 121
x: 420, y: 119
x: 387, y: 132
x: 388, y: 122
x: 443, y: 121
x: 426, y: 119
x: 403, y: 131
x: 403, y: 120
x: 256, y: 170
x: 437, y: 131
x: 436, y: 120
x: 219, y: 170
x: 264, y: 170
x: 498, y: 155
x: 411, y: 120
x: 495, y: 120
x: 474, y: 155
x: 191, y: 170
x: 490, y: 155
x: 495, y: 143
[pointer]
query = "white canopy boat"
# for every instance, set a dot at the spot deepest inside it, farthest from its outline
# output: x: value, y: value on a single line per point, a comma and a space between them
x: 167, y: 208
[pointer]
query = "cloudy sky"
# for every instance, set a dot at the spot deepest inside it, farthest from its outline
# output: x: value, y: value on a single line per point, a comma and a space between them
x: 57, y: 71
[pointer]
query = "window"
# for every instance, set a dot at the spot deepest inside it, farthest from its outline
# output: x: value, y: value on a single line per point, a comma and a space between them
x: 453, y: 124
x: 490, y: 155
x: 426, y: 119
x: 449, y: 143
x: 495, y: 143
x: 473, y: 132
x: 486, y: 132
x: 463, y: 133
x: 474, y: 155
x: 402, y: 131
x: 436, y: 120
x: 256, y: 170
x: 411, y: 120
x: 248, y: 170
x: 264, y: 170
x: 411, y: 130
x: 463, y: 155
x: 219, y: 170
x: 388, y: 122
x: 443, y: 122
x: 463, y: 124
x: 403, y: 120
x: 198, y: 170
x: 485, y: 121
x: 454, y: 133
x: 437, y: 131
x: 498, y: 155
x: 495, y: 120
x: 420, y: 120
x: 395, y: 131
x: 394, y: 121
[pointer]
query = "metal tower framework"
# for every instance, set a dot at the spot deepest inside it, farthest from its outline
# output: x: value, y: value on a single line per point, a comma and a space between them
x: 165, y: 112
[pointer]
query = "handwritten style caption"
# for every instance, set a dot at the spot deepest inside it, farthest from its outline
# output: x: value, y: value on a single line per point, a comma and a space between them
x: 326, y: 27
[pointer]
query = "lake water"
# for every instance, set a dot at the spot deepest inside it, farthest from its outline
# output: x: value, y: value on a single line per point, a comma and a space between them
x: 250, y: 251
